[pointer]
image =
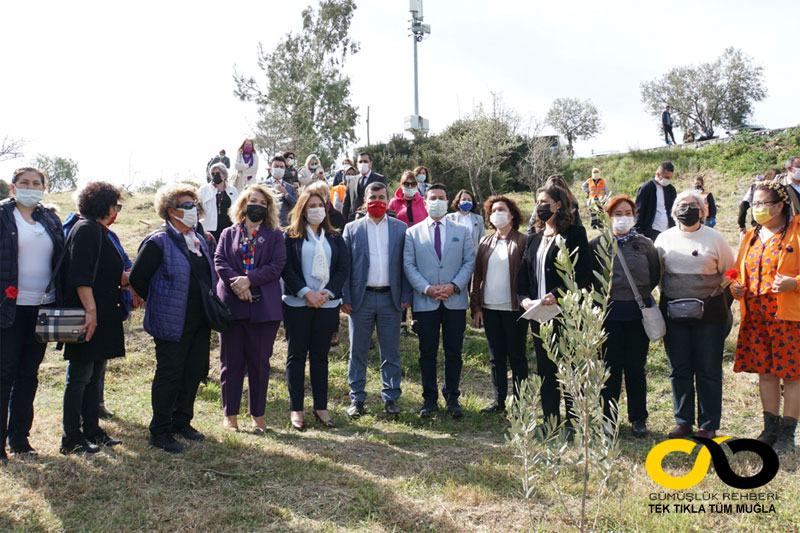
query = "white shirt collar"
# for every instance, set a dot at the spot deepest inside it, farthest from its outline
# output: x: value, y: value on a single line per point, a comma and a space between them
x: 383, y: 220
x: 431, y: 221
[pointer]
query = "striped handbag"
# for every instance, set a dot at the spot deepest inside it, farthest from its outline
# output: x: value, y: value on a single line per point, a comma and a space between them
x: 62, y: 324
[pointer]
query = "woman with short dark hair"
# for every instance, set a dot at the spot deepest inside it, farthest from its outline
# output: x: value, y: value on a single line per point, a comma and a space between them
x: 94, y: 271
x: 31, y: 241
x: 467, y: 213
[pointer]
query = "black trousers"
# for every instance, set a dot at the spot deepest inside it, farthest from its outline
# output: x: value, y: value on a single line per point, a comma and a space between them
x: 625, y: 350
x: 309, y: 332
x: 82, y: 399
x: 20, y: 357
x: 506, y: 338
x: 452, y: 323
x: 546, y: 369
x: 179, y: 368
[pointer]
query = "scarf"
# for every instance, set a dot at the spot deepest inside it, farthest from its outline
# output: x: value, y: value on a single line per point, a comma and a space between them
x: 248, y: 158
x: 622, y: 240
x: 319, y: 264
x: 247, y: 245
x: 192, y: 242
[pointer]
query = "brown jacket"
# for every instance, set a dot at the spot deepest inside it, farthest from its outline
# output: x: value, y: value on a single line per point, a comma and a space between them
x: 516, y: 248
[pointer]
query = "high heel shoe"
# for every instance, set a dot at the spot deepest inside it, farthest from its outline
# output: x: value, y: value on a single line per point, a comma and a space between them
x: 327, y: 423
x: 297, y: 421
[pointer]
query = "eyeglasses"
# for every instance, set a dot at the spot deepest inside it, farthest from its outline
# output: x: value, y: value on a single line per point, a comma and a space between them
x: 763, y: 204
x: 186, y: 205
x: 686, y: 206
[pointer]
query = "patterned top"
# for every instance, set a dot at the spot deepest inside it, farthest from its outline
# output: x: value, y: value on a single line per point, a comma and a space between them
x: 247, y: 246
x: 761, y: 265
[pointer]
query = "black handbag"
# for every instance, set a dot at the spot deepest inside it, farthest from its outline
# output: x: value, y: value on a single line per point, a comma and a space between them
x: 216, y: 311
x: 62, y: 324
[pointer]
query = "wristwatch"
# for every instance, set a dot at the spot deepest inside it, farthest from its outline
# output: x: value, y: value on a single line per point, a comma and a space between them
x: 455, y: 288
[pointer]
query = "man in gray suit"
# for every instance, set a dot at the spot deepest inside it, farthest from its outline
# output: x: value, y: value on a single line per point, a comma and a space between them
x: 439, y: 260
x: 374, y: 296
x: 287, y: 196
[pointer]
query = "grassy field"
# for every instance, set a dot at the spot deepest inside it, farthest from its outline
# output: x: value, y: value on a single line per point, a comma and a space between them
x: 373, y: 474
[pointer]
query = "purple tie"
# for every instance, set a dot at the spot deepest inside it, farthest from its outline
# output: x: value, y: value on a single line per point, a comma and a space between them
x: 437, y: 239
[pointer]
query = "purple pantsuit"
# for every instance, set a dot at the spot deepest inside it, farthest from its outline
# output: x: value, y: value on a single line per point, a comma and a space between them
x: 247, y: 344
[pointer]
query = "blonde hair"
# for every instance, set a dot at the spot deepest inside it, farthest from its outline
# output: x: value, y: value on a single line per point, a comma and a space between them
x: 319, y: 187
x: 238, y: 211
x: 167, y: 197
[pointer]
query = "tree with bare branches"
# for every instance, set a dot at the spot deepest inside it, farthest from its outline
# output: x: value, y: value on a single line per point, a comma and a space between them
x: 11, y: 148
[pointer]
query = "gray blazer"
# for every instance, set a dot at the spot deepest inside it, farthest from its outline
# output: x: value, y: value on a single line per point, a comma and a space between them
x: 424, y: 268
x: 355, y: 238
x: 478, y: 227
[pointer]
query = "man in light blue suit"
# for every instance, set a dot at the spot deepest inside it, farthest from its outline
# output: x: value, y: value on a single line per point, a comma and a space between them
x: 439, y: 260
x: 374, y: 296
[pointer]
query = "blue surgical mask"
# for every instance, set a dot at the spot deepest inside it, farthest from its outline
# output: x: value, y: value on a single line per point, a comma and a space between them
x: 421, y: 178
x: 28, y: 197
x: 465, y: 206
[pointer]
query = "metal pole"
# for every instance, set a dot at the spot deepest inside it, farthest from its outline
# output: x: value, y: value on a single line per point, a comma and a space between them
x: 416, y: 82
x: 368, y: 144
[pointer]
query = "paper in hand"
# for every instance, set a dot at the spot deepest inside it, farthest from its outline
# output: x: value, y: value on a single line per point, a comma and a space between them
x: 541, y: 313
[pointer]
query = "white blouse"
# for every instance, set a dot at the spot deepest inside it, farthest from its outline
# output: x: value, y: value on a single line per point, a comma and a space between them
x: 497, y: 288
x: 34, y: 260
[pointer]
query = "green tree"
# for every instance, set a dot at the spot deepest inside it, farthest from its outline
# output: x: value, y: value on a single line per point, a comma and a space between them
x: 62, y: 172
x: 306, y: 103
x: 575, y: 120
x: 4, y: 189
x: 719, y: 92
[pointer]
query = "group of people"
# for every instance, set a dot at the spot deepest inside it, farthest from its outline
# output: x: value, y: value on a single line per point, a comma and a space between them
x: 301, y: 262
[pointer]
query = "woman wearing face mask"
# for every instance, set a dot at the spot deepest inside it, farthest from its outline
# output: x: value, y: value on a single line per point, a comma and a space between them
x: 708, y: 198
x: 539, y: 279
x: 493, y: 298
x: 768, y: 290
x: 93, y: 269
x: 422, y: 175
x: 467, y: 214
x: 408, y: 203
x: 694, y: 259
x: 31, y: 241
x: 249, y: 261
x: 165, y: 273
x: 290, y: 175
x: 217, y: 196
x: 557, y: 180
x: 246, y: 165
x: 311, y: 169
x: 626, y: 345
x: 317, y: 265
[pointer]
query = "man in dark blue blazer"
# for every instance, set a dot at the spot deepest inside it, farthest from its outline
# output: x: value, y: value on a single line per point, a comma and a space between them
x: 354, y: 196
x: 374, y: 296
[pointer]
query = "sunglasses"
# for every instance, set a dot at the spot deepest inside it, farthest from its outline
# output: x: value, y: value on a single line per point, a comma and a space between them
x: 186, y: 205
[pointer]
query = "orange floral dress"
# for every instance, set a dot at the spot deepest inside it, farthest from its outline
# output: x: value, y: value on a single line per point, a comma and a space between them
x: 766, y: 344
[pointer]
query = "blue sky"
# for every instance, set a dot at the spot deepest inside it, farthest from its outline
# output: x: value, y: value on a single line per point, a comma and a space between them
x: 144, y: 90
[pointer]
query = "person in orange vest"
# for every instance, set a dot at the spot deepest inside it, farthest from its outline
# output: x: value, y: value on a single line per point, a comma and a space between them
x: 595, y: 189
x: 711, y: 205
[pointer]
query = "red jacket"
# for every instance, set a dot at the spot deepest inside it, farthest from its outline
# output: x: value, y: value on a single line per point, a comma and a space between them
x: 399, y: 205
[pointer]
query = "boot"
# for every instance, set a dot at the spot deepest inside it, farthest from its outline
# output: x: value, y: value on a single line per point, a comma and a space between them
x: 785, y: 442
x: 772, y: 426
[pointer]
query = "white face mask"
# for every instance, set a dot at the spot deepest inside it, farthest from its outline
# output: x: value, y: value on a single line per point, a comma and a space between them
x: 315, y: 215
x: 622, y: 224
x: 499, y: 219
x: 189, y: 217
x: 796, y: 173
x: 290, y: 161
x: 363, y: 167
x: 313, y: 166
x: 409, y: 192
x: 28, y: 197
x: 663, y: 181
x: 277, y: 173
x: 437, y: 208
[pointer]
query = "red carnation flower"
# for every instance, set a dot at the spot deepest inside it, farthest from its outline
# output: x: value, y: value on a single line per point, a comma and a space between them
x: 11, y: 292
x: 732, y: 274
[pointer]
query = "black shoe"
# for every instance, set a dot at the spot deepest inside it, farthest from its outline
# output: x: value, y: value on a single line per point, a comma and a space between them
x: 356, y: 409
x: 101, y: 438
x: 188, y: 432
x: 494, y: 407
x: 392, y: 408
x: 639, y: 428
x: 81, y: 446
x: 428, y: 409
x: 23, y: 449
x: 105, y: 413
x: 166, y: 443
x: 784, y: 444
x: 772, y: 426
x: 455, y: 410
x: 404, y: 331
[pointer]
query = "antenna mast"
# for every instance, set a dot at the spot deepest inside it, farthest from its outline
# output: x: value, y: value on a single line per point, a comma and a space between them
x: 419, y: 31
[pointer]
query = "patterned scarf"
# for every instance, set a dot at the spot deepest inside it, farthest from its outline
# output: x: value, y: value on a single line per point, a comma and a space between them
x: 625, y: 238
x: 247, y: 246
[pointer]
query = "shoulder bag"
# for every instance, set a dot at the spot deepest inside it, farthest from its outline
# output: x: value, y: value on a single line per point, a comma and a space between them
x: 652, y: 319
x: 62, y: 324
x: 216, y: 311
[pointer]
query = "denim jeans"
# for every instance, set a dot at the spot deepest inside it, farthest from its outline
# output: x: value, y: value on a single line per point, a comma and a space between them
x: 82, y: 399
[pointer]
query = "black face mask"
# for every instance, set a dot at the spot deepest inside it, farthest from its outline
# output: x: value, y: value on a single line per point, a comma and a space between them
x: 216, y: 178
x: 688, y: 216
x: 698, y: 187
x: 256, y: 213
x: 543, y: 212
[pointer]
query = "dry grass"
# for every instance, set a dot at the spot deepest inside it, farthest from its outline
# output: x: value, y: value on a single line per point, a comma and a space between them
x: 374, y: 474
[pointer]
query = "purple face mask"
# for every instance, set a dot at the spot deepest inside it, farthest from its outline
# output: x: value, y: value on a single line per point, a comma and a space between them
x: 248, y: 149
